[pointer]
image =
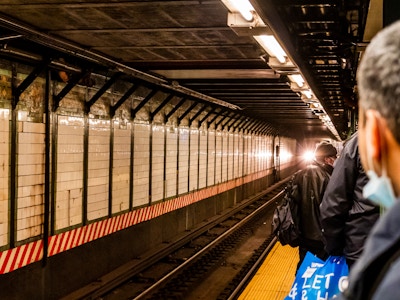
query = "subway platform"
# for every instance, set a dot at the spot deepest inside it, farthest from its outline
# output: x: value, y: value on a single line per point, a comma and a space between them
x: 275, y: 277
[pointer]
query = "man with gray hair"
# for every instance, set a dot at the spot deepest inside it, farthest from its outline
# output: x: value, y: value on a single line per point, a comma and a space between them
x: 376, y: 275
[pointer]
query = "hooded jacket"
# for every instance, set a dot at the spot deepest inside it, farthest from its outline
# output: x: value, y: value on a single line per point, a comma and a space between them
x: 307, y: 191
x: 346, y: 216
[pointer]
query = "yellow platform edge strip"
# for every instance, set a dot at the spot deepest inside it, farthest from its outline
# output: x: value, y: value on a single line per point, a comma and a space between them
x: 275, y: 277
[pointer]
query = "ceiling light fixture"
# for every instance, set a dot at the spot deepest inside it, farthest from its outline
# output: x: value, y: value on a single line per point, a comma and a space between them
x: 271, y: 45
x: 297, y: 78
x: 315, y: 105
x: 245, y: 9
x: 277, y: 58
x: 307, y: 93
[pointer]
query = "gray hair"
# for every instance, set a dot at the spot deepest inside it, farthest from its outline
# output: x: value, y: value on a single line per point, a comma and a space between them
x: 378, y: 77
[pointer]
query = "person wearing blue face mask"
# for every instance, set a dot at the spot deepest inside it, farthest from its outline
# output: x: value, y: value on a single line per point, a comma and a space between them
x: 376, y: 275
x: 379, y: 189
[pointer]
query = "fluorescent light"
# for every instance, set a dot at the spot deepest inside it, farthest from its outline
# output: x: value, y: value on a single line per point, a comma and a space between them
x: 315, y: 105
x: 297, y: 78
x: 307, y: 93
x: 245, y: 8
x: 271, y: 45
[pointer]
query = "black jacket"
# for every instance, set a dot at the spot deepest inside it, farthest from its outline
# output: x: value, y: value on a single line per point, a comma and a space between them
x: 307, y: 191
x: 346, y: 216
x: 376, y: 275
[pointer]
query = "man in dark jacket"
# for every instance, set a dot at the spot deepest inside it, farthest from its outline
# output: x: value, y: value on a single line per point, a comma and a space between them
x: 346, y: 216
x: 308, y: 188
x: 376, y: 274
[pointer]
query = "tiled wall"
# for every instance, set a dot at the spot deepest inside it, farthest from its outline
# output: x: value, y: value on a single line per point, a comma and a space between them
x: 211, y: 158
x: 218, y: 157
x: 231, y: 162
x: 4, y: 171
x: 130, y: 163
x: 202, y: 165
x: 183, y: 160
x: 257, y: 158
x: 252, y: 154
x: 141, y: 166
x: 194, y: 160
x: 171, y: 162
x: 121, y: 167
x: 98, y: 168
x: 31, y: 162
x: 239, y: 155
x: 246, y: 154
x: 157, y: 164
x: 287, y: 149
x: 261, y: 153
x: 224, y: 156
x: 69, y: 185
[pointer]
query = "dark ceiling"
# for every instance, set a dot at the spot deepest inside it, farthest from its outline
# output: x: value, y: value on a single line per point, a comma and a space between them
x: 188, y: 43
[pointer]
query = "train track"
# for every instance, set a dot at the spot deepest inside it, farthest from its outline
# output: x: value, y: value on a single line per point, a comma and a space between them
x: 212, y: 262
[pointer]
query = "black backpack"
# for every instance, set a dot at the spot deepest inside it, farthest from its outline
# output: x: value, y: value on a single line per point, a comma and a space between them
x: 284, y: 221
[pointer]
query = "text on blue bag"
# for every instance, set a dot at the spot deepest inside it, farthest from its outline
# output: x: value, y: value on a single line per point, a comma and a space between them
x: 317, y: 281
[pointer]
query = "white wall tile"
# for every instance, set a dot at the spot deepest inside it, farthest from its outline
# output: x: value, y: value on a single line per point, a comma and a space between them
x: 30, y: 164
x: 240, y: 160
x: 183, y: 163
x: 224, y: 160
x: 218, y: 158
x: 194, y: 160
x: 230, y: 154
x: 171, y: 159
x: 68, y: 210
x: 203, y: 159
x: 141, y: 164
x: 157, y: 192
x: 211, y: 158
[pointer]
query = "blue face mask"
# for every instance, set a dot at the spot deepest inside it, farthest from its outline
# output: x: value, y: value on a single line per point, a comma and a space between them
x: 379, y: 190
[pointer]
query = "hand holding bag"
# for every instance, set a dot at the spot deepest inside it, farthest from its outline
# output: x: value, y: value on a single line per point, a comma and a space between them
x: 318, y: 280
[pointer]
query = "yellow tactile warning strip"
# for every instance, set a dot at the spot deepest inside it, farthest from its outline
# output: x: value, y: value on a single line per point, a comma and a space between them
x: 275, y: 277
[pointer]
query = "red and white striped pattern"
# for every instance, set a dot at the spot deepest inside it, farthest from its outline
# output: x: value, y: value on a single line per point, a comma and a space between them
x: 21, y: 256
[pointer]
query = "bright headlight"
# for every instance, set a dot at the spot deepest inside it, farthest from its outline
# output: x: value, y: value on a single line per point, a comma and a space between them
x: 308, y: 155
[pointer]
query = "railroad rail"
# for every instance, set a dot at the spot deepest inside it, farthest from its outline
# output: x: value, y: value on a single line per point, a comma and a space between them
x: 176, y: 270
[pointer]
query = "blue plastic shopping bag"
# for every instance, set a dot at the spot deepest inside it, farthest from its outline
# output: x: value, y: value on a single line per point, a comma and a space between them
x: 319, y: 280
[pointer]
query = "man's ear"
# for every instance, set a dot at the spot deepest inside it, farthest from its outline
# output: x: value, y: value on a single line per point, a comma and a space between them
x: 374, y: 137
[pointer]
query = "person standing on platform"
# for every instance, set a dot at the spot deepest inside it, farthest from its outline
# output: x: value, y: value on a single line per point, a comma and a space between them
x: 346, y: 216
x: 376, y: 274
x: 307, y: 189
